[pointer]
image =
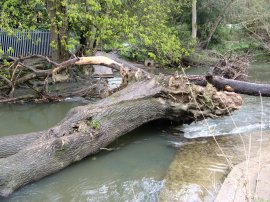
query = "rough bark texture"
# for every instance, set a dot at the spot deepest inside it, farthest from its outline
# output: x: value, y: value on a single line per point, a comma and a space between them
x: 12, y: 144
x: 239, y: 86
x: 194, y: 19
x: 87, y: 129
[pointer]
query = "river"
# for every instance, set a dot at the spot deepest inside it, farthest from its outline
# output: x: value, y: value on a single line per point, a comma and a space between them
x: 136, y: 169
x: 201, y: 162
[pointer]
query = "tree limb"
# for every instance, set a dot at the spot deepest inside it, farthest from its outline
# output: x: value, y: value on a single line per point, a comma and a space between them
x: 239, y: 86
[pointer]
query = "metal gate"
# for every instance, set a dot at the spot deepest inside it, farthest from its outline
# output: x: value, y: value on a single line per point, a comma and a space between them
x: 23, y: 43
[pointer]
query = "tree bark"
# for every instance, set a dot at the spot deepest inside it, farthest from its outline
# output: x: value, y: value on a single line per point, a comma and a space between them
x: 194, y: 19
x: 239, y: 86
x: 87, y: 129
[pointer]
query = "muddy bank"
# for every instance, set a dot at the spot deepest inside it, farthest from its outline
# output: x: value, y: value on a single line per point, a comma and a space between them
x: 200, y: 166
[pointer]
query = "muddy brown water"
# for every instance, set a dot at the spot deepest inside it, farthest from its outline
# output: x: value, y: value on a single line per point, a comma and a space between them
x: 137, y: 169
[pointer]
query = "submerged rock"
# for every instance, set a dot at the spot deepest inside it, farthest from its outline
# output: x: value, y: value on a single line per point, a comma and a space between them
x: 199, y: 169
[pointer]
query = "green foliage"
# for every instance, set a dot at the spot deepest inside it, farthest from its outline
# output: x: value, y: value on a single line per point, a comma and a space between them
x: 133, y: 53
x: 240, y: 47
x: 232, y: 40
x: 6, y: 63
x: 249, y: 23
x: 1, y: 51
x: 95, y: 124
x: 146, y: 26
x: 10, y: 50
x: 149, y: 34
x: 138, y: 29
x: 72, y: 43
x: 95, y: 22
x: 255, y: 22
x: 4, y: 72
x: 23, y: 14
x: 222, y: 34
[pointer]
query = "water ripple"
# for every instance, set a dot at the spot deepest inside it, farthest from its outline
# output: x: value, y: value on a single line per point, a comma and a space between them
x: 146, y: 189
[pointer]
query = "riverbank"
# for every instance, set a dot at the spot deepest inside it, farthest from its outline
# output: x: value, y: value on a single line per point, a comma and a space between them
x: 249, y: 180
x: 200, y: 167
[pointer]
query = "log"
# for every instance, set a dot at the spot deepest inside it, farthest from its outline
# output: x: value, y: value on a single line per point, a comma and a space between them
x: 10, y: 145
x: 87, y: 129
x: 241, y: 87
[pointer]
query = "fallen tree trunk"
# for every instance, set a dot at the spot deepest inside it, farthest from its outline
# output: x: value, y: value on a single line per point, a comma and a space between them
x: 239, y: 86
x: 128, y: 74
x: 87, y: 129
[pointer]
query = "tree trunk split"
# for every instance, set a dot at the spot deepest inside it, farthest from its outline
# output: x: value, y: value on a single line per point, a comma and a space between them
x: 87, y: 129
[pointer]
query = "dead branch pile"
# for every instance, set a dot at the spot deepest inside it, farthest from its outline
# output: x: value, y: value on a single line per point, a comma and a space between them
x: 39, y: 74
x: 233, y: 67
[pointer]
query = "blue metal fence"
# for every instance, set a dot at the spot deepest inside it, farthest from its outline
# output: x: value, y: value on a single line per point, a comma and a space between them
x: 25, y: 43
